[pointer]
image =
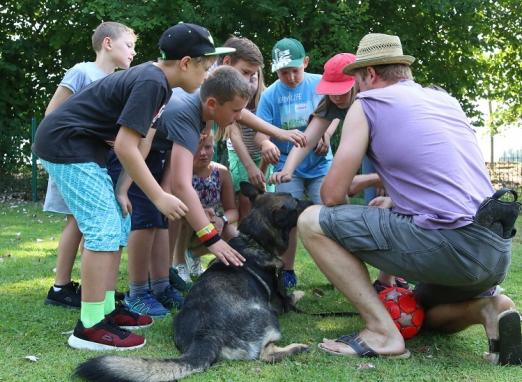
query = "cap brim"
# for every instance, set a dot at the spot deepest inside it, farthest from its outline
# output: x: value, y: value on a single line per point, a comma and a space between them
x: 292, y: 64
x: 406, y: 60
x: 220, y: 50
x: 334, y: 88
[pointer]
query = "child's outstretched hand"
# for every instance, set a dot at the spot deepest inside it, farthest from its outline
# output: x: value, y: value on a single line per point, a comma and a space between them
x: 294, y: 136
x: 269, y: 152
x: 226, y: 254
x: 256, y: 177
x: 280, y: 177
x: 171, y: 207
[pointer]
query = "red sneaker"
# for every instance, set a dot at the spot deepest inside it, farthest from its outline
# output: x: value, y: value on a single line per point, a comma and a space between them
x: 125, y: 319
x: 104, y: 336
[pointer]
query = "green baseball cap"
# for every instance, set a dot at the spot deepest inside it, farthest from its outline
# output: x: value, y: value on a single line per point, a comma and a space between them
x: 287, y: 53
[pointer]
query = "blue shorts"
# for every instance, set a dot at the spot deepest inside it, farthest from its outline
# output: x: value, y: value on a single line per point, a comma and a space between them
x: 88, y: 192
x: 144, y: 213
x: 450, y: 265
x: 299, y: 187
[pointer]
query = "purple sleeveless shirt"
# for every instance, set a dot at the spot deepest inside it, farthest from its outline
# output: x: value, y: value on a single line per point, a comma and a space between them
x: 426, y: 154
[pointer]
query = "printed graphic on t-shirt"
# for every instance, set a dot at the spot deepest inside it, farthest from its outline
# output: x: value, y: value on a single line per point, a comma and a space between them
x: 158, y: 114
x: 295, y: 115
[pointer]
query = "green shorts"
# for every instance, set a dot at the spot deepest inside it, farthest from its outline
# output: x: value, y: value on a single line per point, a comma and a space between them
x: 240, y: 174
x: 450, y: 265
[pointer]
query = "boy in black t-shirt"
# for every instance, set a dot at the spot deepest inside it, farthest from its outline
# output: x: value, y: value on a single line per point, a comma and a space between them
x: 73, y: 143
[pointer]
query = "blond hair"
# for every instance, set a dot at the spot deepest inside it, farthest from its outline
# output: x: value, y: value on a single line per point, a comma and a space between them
x: 109, y: 29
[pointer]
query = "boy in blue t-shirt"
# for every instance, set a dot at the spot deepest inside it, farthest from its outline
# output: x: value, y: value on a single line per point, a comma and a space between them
x: 288, y: 104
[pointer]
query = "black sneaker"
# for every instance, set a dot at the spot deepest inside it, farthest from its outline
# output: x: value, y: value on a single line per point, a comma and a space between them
x: 70, y: 296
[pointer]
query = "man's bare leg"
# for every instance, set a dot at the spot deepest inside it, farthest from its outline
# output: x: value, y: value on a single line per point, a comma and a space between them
x: 380, y: 333
x: 451, y: 318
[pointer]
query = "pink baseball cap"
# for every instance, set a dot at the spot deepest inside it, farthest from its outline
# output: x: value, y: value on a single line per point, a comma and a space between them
x: 334, y: 81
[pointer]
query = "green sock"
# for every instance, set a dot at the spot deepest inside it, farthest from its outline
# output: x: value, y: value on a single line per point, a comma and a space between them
x: 110, y: 302
x: 91, y: 313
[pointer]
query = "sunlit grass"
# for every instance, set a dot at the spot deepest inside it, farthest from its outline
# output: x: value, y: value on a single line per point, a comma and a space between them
x: 28, y: 240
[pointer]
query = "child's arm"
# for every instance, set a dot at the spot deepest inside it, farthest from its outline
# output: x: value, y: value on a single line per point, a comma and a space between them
x: 125, y: 181
x: 313, y: 133
x: 360, y: 182
x: 269, y: 151
x: 348, y: 158
x: 255, y: 176
x: 228, y: 199
x: 127, y: 149
x: 59, y: 97
x: 294, y: 136
x: 181, y: 161
x: 323, y: 146
x: 228, y: 202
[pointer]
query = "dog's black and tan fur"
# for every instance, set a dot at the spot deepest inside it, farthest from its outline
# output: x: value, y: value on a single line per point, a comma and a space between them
x: 231, y: 312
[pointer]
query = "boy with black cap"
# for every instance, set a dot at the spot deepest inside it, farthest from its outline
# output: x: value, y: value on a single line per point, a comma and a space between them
x: 73, y: 143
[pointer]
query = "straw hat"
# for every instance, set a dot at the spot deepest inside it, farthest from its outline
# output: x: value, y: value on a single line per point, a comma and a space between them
x: 378, y: 49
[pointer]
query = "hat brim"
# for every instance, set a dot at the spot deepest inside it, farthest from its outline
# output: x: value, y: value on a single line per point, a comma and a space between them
x: 220, y: 51
x: 406, y: 60
x: 334, y: 88
x: 292, y: 64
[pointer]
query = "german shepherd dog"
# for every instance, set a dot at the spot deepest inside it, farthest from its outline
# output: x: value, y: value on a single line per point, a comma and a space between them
x: 231, y: 312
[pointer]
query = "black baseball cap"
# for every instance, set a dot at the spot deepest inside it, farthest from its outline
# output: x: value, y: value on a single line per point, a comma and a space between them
x: 185, y: 39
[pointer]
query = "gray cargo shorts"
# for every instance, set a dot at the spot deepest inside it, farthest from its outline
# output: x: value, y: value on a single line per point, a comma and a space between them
x: 448, y: 265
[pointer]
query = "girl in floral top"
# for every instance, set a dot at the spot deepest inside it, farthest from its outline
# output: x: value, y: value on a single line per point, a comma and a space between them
x: 213, y: 183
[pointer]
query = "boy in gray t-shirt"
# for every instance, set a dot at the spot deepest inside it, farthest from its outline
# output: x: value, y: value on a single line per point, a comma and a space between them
x: 113, y: 44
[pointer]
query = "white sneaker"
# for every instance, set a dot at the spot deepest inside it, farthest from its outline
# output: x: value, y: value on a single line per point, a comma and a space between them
x: 193, y: 264
x: 183, y: 272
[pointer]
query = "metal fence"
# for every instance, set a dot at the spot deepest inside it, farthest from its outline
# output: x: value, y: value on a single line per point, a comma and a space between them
x: 507, y: 172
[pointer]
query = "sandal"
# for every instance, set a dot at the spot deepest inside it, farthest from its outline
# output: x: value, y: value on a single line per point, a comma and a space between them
x: 507, y: 349
x: 361, y: 348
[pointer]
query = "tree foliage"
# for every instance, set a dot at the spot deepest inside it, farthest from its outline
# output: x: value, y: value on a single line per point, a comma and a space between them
x: 469, y: 47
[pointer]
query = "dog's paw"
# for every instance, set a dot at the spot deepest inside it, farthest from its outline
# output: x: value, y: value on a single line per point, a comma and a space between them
x: 296, y: 295
x: 300, y: 348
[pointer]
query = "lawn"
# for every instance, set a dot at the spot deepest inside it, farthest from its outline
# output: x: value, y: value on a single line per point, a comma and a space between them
x: 28, y: 238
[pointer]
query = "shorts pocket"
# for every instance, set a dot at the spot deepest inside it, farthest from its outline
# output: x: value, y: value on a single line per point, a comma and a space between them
x: 360, y: 229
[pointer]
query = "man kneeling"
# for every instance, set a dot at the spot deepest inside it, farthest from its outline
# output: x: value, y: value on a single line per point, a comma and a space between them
x: 426, y: 155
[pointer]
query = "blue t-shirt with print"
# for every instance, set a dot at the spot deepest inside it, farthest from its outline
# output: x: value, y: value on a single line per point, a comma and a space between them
x: 290, y: 108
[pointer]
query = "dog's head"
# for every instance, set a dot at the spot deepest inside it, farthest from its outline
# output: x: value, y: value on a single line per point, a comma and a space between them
x: 272, y: 217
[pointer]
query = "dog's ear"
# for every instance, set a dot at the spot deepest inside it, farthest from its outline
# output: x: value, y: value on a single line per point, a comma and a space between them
x: 284, y: 217
x: 249, y: 190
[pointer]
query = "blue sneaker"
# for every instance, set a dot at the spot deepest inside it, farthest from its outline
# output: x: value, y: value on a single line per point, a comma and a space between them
x: 289, y: 279
x: 145, y: 304
x: 170, y: 298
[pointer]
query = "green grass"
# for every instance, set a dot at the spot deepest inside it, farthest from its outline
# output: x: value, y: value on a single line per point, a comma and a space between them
x: 28, y: 238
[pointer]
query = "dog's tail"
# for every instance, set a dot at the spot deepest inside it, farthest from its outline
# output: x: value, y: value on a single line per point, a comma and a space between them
x: 127, y: 369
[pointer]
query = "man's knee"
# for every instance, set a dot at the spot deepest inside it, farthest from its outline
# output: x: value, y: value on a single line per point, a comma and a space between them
x: 308, y: 222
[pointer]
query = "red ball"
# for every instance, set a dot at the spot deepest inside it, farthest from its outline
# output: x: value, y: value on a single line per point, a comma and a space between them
x: 407, y: 314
